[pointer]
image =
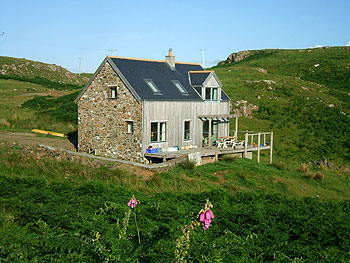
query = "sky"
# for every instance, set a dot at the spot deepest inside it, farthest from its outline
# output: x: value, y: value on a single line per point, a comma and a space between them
x: 73, y: 32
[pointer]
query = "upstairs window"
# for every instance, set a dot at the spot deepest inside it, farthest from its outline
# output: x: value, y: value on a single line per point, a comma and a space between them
x: 113, y: 92
x: 180, y: 87
x: 211, y: 93
x: 153, y: 86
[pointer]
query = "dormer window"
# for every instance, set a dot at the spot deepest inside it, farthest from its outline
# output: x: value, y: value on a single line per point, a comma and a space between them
x: 113, y: 92
x: 211, y: 93
x: 180, y: 87
x: 153, y: 87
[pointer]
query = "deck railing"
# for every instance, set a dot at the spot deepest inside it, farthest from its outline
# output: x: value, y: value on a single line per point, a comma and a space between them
x: 264, y: 141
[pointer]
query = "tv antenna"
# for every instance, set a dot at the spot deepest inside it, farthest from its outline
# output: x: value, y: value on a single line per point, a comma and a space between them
x: 112, y: 50
x: 79, y: 64
x: 203, y: 56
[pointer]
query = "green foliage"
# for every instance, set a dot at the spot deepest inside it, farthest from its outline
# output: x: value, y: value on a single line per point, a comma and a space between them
x: 48, y: 75
x: 54, y: 211
x: 61, y: 108
x: 302, y: 95
x: 44, y: 82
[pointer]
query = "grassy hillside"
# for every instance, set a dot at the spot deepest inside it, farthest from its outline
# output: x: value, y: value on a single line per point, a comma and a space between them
x: 59, y: 211
x: 48, y: 75
x: 303, y: 96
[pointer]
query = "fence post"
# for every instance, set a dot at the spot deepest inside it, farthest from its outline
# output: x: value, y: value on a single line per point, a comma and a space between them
x: 258, y: 147
x: 271, y: 146
x: 245, y: 145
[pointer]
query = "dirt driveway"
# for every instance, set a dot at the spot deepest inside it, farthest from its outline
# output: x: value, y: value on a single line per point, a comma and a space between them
x: 34, y: 139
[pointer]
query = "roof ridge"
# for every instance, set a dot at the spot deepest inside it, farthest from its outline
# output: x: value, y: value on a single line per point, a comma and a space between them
x: 201, y: 71
x: 151, y: 60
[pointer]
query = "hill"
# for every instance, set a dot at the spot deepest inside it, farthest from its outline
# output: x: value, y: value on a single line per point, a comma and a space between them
x: 302, y: 95
x: 48, y: 75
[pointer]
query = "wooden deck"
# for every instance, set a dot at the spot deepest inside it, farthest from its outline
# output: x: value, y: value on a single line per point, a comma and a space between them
x: 204, y: 152
x: 249, y: 146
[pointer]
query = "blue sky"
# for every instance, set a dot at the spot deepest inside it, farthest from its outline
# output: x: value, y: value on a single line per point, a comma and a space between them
x: 61, y: 32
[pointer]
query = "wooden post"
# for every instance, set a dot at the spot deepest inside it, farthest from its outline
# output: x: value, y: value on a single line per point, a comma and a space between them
x: 264, y: 139
x: 245, y: 145
x: 271, y: 146
x: 236, y: 129
x: 258, y: 147
x: 216, y: 156
x: 209, y: 135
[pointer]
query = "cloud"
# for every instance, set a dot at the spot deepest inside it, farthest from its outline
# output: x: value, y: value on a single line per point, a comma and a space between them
x: 347, y: 43
x: 317, y: 46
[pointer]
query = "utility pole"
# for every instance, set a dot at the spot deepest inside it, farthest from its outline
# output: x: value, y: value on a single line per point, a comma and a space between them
x: 79, y: 64
x: 112, y: 50
x: 203, y: 56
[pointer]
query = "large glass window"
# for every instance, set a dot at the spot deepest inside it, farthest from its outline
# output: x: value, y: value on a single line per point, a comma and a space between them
x: 158, y: 131
x: 187, y: 130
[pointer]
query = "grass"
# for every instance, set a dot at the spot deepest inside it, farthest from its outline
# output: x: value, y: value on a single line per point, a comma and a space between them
x: 307, y: 107
x: 14, y: 117
x: 60, y: 211
x: 50, y: 76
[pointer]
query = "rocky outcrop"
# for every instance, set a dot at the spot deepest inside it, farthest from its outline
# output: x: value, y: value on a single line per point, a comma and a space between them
x: 243, y: 108
x: 235, y: 57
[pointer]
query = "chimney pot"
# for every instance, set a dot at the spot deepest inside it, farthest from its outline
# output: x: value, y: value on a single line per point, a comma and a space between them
x: 170, y: 59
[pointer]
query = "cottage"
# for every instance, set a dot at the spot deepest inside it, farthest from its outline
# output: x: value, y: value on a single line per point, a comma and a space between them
x: 130, y: 104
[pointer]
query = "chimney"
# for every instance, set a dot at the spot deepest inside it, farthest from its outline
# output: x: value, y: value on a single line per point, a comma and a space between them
x: 170, y: 59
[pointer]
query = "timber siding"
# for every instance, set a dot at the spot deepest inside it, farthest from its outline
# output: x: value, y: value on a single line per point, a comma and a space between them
x: 175, y: 113
x: 102, y: 120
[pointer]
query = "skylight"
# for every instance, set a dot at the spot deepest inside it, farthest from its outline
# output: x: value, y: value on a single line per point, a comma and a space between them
x: 179, y: 87
x: 153, y: 86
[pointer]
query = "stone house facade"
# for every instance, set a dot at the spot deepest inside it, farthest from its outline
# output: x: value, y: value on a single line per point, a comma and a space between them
x: 130, y: 104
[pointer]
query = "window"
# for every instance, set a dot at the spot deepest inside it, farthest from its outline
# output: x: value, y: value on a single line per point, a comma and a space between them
x: 211, y: 93
x: 129, y: 126
x: 187, y: 130
x: 152, y: 86
x: 113, y: 92
x: 180, y: 87
x: 158, y: 131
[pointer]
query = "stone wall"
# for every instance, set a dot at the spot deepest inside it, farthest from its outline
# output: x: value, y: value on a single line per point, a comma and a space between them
x: 102, y: 120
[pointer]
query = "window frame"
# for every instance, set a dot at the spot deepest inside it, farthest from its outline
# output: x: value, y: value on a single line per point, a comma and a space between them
x: 159, y: 133
x: 179, y: 87
x: 110, y: 91
x: 188, y: 131
x: 127, y: 123
x: 212, y: 93
x: 153, y: 87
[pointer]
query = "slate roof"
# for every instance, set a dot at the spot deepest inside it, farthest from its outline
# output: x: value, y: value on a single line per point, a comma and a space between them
x: 134, y: 72
x: 137, y: 71
x: 197, y: 78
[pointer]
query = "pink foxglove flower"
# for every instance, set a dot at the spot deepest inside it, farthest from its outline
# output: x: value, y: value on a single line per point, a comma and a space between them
x: 206, y: 215
x: 132, y: 202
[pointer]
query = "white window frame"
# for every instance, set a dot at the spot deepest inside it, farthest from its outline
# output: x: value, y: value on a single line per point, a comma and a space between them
x: 179, y: 86
x: 129, y: 124
x: 159, y: 131
x: 212, y: 93
x: 110, y: 91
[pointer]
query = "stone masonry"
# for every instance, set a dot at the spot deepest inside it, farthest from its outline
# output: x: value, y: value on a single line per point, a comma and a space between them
x: 102, y: 127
